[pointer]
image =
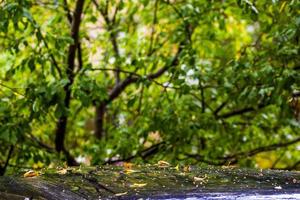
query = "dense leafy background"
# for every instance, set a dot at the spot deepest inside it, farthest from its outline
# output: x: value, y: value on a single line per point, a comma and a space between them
x: 195, y: 81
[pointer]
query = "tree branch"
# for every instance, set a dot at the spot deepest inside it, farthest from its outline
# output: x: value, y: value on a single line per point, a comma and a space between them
x: 79, y: 57
x: 241, y: 111
x: 233, y: 159
x: 143, y: 154
x: 41, y: 144
x: 153, y: 27
x: 3, y: 169
x: 67, y: 10
x: 201, y: 158
x: 219, y: 108
x: 110, y: 23
x: 116, y: 91
x: 12, y: 89
x: 54, y: 62
x: 260, y: 149
x: 293, y: 167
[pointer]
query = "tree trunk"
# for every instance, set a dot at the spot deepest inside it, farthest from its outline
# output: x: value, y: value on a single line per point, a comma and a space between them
x: 61, y: 125
x: 99, y: 120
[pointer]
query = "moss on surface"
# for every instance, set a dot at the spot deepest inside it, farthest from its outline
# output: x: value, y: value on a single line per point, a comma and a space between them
x: 108, y: 182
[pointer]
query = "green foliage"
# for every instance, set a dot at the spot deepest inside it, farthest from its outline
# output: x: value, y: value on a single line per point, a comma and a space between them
x: 229, y: 70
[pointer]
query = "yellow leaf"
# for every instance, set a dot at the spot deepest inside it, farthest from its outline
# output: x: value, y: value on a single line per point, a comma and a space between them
x: 121, y: 194
x: 62, y: 171
x: 30, y: 173
x: 127, y: 165
x: 187, y: 168
x: 129, y: 171
x: 200, y: 179
x: 162, y: 163
x: 138, y: 185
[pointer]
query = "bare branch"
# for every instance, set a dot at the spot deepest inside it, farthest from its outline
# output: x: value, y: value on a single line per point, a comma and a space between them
x: 79, y: 57
x: 41, y: 144
x: 67, y: 10
x: 233, y: 159
x: 116, y: 91
x: 241, y: 111
x: 3, y: 169
x: 112, y: 34
x: 261, y: 149
x: 54, y: 62
x: 201, y: 158
x: 219, y: 108
x: 99, y: 8
x: 113, y: 20
x: 143, y: 154
x: 12, y: 89
x: 293, y: 167
x: 153, y: 27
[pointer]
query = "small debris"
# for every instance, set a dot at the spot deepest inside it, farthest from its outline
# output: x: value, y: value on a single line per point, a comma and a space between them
x: 277, y: 187
x: 121, y: 194
x: 127, y: 165
x: 75, y: 188
x: 31, y: 173
x: 187, y: 168
x: 138, y: 185
x: 62, y: 171
x: 162, y: 163
x: 129, y: 171
x: 200, y: 179
x: 294, y: 180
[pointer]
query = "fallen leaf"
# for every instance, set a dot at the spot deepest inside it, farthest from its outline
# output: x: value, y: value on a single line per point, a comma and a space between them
x: 129, y: 171
x: 62, y: 171
x: 30, y: 173
x: 138, y: 185
x: 187, y: 168
x: 200, y: 179
x: 121, y: 194
x: 127, y: 165
x: 75, y: 188
x: 162, y: 163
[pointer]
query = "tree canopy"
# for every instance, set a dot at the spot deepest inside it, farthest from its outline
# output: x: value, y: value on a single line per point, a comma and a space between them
x: 185, y: 81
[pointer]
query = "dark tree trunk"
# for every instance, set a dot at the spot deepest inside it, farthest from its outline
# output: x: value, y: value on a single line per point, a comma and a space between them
x: 61, y: 125
x: 60, y: 133
x: 99, y: 120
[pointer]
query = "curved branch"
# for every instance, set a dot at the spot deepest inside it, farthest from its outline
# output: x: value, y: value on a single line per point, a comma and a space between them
x: 241, y: 111
x: 233, y: 159
x: 116, y: 91
x: 143, y: 154
x: 261, y: 149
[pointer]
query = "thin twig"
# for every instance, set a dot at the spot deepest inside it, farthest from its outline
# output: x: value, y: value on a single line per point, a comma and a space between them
x: 67, y: 10
x: 135, y: 75
x: 153, y: 27
x: 143, y: 154
x: 12, y: 89
x: 54, y: 62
